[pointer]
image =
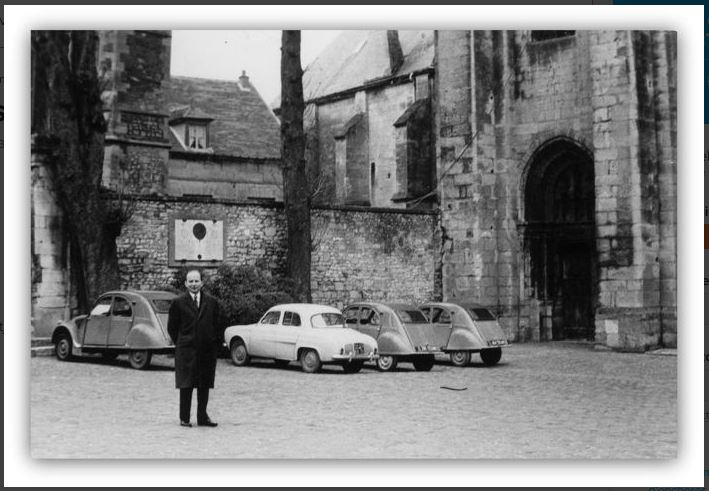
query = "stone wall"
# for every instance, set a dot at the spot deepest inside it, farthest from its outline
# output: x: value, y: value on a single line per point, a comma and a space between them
x: 358, y: 253
x: 502, y: 97
x: 375, y: 150
x: 372, y: 254
x: 224, y: 177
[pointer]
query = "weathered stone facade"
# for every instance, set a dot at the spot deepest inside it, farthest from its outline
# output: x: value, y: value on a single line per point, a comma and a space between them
x: 555, y: 173
x: 368, y: 119
x: 49, y: 274
x: 556, y: 161
x: 357, y: 254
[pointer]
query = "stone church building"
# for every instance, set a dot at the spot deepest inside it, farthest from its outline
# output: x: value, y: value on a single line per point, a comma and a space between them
x: 531, y: 171
x: 556, y: 159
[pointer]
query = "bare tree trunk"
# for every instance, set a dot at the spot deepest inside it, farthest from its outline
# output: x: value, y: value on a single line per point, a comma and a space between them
x: 67, y: 118
x: 296, y: 191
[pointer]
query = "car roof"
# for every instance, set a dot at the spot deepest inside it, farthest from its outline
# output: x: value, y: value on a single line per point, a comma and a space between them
x: 392, y: 306
x: 465, y: 305
x: 306, y: 308
x: 148, y: 294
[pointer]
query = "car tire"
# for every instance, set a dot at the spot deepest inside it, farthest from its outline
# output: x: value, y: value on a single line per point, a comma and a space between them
x: 460, y: 358
x: 281, y: 363
x: 353, y: 366
x: 62, y: 347
x: 386, y: 363
x: 490, y: 356
x: 310, y: 361
x: 140, y: 358
x: 424, y: 363
x: 239, y: 355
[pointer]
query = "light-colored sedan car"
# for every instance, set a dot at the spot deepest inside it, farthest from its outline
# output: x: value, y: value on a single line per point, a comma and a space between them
x: 309, y: 333
x: 402, y: 332
x: 133, y: 322
x: 470, y: 328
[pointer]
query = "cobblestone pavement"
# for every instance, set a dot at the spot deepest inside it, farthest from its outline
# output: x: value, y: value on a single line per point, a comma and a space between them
x: 541, y: 401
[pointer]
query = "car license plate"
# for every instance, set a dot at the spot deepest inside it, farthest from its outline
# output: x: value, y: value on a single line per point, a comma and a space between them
x: 359, y: 348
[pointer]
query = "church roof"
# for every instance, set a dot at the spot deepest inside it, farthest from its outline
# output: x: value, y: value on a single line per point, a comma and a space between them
x: 242, y: 126
x: 357, y: 57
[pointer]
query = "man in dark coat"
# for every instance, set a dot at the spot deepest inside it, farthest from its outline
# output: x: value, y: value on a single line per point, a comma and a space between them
x: 196, y: 328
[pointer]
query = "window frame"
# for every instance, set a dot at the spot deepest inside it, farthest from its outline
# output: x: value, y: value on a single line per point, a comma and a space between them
x: 269, y: 314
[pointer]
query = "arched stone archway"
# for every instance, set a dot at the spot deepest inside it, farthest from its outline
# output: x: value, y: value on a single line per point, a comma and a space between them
x: 559, y: 236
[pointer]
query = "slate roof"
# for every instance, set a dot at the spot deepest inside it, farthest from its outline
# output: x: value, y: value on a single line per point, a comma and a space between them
x: 356, y: 57
x: 243, y: 125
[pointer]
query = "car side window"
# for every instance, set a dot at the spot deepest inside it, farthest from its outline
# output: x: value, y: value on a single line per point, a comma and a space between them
x: 102, y: 307
x: 351, y: 315
x: 291, y: 319
x: 271, y: 317
x: 368, y: 316
x: 439, y: 316
x: 427, y: 312
x: 121, y: 308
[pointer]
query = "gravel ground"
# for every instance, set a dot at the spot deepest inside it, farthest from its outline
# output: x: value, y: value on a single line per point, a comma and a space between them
x: 545, y: 401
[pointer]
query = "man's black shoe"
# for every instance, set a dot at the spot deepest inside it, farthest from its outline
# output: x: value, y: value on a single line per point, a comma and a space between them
x: 186, y: 423
x: 206, y: 422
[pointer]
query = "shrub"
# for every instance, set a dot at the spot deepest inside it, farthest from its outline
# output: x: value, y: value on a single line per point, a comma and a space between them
x: 245, y: 293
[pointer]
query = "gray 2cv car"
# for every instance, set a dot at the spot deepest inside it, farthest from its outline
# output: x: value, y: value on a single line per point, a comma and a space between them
x: 132, y: 322
x: 471, y: 328
x: 402, y: 332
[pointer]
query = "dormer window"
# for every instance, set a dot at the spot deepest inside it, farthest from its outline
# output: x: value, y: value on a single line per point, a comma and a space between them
x: 196, y: 136
x: 190, y: 127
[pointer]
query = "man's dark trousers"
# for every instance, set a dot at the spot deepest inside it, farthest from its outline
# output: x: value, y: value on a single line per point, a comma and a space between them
x: 186, y: 403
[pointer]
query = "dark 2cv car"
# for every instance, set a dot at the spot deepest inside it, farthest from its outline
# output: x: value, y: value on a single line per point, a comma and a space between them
x: 471, y: 327
x: 402, y: 332
x: 132, y: 322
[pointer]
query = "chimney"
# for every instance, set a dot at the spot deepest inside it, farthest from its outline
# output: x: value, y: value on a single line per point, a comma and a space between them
x: 244, y: 81
x: 396, y: 56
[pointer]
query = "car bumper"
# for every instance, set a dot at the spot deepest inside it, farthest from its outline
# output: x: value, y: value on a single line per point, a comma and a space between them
x: 353, y: 357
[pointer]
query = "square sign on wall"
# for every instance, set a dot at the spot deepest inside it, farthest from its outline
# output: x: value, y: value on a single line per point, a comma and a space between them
x: 198, y: 240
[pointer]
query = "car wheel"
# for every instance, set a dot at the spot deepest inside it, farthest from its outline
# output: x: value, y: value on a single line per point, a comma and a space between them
x: 109, y: 355
x: 352, y: 366
x: 491, y: 356
x: 239, y: 355
x: 62, y: 347
x: 281, y: 363
x: 386, y: 363
x: 424, y: 363
x: 460, y: 358
x: 140, y: 358
x: 310, y: 361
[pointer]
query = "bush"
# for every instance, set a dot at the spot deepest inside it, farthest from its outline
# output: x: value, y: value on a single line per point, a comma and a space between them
x: 245, y: 293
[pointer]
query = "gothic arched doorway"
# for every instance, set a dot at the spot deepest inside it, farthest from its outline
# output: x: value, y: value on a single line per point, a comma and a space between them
x: 559, y: 234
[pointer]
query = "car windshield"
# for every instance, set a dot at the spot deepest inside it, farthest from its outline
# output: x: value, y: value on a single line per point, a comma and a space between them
x: 480, y: 314
x: 415, y: 316
x: 162, y: 305
x: 327, y: 320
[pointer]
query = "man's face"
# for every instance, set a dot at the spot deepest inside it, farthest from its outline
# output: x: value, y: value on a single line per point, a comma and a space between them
x: 193, y: 281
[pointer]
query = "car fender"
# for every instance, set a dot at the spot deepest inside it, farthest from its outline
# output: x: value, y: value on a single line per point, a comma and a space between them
x: 145, y: 336
x: 463, y: 338
x: 70, y: 327
x: 317, y: 347
x: 393, y: 343
x: 232, y: 332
